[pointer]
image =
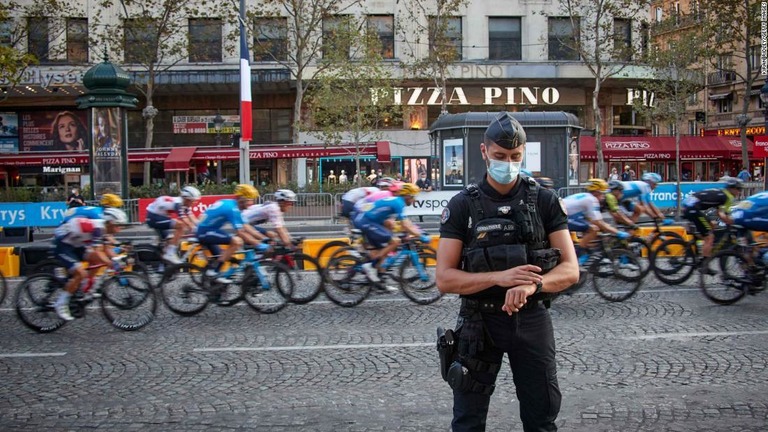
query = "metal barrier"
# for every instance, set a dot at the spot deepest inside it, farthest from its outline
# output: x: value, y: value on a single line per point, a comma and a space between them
x: 570, y: 190
x: 130, y: 207
x: 309, y: 206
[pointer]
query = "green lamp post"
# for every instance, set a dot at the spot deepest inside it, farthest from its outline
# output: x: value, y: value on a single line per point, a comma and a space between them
x: 107, y: 100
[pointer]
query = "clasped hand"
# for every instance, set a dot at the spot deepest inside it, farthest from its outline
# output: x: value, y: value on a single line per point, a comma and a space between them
x: 522, y: 280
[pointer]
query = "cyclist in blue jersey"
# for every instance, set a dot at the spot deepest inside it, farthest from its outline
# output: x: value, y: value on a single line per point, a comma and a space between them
x: 210, y: 232
x: 93, y: 212
x: 637, y: 197
x: 376, y: 225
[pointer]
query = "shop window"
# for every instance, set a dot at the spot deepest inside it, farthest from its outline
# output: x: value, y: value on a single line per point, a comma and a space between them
x: 504, y: 39
x: 445, y: 37
x: 77, y: 40
x: 622, y: 39
x: 270, y: 39
x: 140, y: 41
x: 205, y: 40
x: 384, y: 26
x: 672, y: 171
x: 714, y: 171
x: 562, y: 36
x: 37, y: 38
x: 672, y: 128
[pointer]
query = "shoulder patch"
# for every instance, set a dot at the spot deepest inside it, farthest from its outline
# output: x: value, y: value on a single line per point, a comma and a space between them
x: 562, y: 206
x: 445, y: 215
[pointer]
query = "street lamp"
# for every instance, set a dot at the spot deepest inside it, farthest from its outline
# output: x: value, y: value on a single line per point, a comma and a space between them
x: 218, y: 121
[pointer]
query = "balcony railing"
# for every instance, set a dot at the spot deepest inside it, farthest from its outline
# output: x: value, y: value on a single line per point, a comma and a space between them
x: 676, y: 22
x: 721, y: 77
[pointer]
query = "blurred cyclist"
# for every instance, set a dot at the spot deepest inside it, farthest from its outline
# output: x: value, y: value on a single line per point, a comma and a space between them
x: 159, y: 217
x: 272, y: 212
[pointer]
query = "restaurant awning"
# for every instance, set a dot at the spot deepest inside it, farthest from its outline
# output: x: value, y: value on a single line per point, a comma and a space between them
x: 720, y: 96
x: 178, y: 159
x: 663, y: 147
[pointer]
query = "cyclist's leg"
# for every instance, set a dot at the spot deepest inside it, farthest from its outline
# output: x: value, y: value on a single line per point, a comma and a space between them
x: 212, y: 240
x: 587, y: 230
x: 71, y: 258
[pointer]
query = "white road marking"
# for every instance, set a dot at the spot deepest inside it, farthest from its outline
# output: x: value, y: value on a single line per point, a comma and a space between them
x: 694, y: 335
x: 315, y: 347
x: 24, y: 355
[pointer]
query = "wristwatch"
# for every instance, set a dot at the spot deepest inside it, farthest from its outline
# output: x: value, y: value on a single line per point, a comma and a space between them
x: 539, y: 287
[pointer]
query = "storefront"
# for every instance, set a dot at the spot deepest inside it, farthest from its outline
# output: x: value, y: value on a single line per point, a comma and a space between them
x: 702, y: 158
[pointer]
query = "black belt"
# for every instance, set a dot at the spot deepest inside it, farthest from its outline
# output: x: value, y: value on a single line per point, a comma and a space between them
x: 494, y: 306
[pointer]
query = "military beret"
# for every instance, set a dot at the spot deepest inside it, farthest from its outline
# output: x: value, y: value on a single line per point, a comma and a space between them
x: 505, y: 131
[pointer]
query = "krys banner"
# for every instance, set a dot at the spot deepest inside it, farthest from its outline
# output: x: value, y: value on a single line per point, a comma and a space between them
x: 46, y: 214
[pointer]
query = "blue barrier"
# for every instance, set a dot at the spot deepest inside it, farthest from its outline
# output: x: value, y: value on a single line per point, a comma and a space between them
x: 45, y: 214
x: 665, y: 194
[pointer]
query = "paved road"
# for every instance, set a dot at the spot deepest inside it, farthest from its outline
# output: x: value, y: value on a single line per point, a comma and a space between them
x: 666, y: 360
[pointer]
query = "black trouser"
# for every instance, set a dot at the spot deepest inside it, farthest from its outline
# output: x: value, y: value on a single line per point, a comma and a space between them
x: 528, y: 339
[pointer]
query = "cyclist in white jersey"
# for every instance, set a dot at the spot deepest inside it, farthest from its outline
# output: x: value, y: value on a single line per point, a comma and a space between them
x: 584, y: 215
x: 272, y: 212
x: 160, y: 217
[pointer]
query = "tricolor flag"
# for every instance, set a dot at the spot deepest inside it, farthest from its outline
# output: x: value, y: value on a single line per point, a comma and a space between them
x: 246, y: 121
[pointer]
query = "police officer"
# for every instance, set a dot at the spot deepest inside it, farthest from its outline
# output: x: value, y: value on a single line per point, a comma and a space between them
x: 503, y: 245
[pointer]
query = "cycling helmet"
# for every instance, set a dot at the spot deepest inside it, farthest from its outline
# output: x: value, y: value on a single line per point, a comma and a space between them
x: 615, y: 185
x: 401, y: 189
x: 651, y: 177
x: 734, y: 182
x: 597, y: 185
x: 546, y: 182
x: 386, y: 183
x: 246, y: 191
x: 115, y: 215
x: 285, y: 195
x: 191, y: 193
x: 111, y: 200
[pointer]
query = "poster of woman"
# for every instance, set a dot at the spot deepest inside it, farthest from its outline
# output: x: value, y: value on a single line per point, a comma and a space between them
x: 53, y: 131
x: 107, y: 157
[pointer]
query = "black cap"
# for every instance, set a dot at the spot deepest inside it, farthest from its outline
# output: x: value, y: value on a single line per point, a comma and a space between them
x: 505, y: 131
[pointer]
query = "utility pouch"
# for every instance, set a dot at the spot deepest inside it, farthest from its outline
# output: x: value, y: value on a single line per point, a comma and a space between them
x: 460, y: 379
x: 496, y: 258
x: 545, y: 258
x: 446, y: 350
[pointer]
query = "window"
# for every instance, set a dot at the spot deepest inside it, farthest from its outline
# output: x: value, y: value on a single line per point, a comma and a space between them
x: 659, y: 14
x: 37, y: 38
x: 271, y: 39
x: 204, y: 40
x: 504, y: 39
x: 693, y: 98
x: 724, y: 62
x: 693, y: 127
x: 622, y: 39
x: 333, y: 41
x: 655, y: 129
x: 672, y: 128
x: 77, y: 40
x: 645, y: 40
x: 384, y: 26
x: 140, y: 41
x: 562, y: 38
x: 724, y: 105
x: 446, y: 37
x: 6, y: 33
x: 754, y: 57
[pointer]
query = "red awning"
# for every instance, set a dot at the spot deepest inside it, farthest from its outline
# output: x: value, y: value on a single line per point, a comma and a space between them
x: 383, y: 152
x: 178, y: 159
x: 663, y: 147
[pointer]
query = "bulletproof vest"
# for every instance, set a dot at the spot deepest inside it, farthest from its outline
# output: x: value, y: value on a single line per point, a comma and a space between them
x: 503, y: 233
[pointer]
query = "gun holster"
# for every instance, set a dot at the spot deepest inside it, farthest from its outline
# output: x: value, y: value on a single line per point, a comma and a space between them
x: 446, y: 350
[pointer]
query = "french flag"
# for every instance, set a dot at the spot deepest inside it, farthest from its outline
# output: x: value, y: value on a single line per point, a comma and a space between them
x: 246, y: 121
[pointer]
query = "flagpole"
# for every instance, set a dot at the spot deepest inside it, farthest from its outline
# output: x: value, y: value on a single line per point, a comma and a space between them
x: 246, y: 124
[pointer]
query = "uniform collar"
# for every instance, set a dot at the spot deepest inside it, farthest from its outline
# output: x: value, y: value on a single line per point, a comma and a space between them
x: 492, y: 193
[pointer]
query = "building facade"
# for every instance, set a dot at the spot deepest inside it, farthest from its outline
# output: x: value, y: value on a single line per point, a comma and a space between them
x: 513, y: 59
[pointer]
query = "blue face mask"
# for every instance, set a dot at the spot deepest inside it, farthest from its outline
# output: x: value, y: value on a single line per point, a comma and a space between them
x: 503, y: 172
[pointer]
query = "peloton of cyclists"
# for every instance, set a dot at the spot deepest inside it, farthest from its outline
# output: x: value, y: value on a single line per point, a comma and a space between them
x: 696, y: 203
x: 584, y: 216
x: 83, y: 239
x: 159, y: 218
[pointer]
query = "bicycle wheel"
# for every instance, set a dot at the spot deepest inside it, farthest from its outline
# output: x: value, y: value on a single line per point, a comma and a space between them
x: 3, y: 288
x: 34, y: 303
x: 147, y: 260
x: 224, y: 294
x: 182, y: 289
x: 307, y: 275
x: 617, y: 275
x: 673, y: 261
x: 326, y: 251
x: 727, y: 278
x: 417, y: 279
x: 128, y: 301
x: 347, y: 285
x: 270, y: 290
x: 640, y: 247
x: 46, y: 266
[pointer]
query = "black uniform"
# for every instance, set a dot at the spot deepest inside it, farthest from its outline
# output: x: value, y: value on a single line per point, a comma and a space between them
x: 694, y: 205
x: 518, y: 225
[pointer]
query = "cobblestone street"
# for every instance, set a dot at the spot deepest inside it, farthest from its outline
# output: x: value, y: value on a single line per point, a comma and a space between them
x: 665, y: 360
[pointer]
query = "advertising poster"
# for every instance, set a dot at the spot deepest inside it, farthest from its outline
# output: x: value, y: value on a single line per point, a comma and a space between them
x: 453, y: 157
x: 9, y: 132
x: 573, y: 161
x: 107, y: 150
x: 46, y: 131
x: 414, y: 168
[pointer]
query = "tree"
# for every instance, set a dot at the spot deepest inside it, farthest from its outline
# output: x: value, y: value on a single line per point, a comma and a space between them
x: 352, y: 96
x: 290, y: 32
x: 677, y: 78
x: 149, y: 38
x: 597, y: 36
x: 19, y: 25
x: 428, y: 30
x: 734, y: 29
